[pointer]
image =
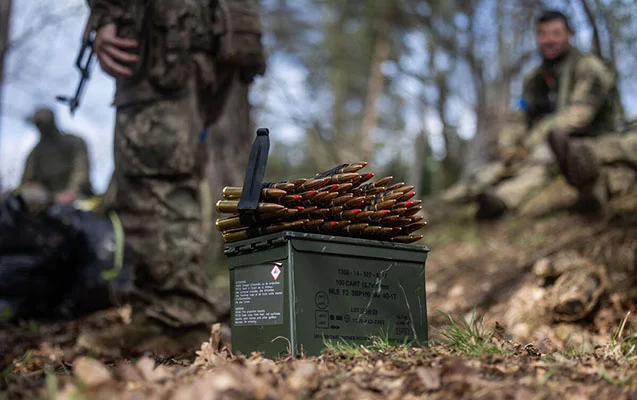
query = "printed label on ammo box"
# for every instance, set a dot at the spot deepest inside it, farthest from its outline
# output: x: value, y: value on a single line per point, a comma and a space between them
x: 258, y: 298
x: 356, y: 300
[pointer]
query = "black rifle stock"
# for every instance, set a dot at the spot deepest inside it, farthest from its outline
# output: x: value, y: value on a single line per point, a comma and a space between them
x: 83, y: 63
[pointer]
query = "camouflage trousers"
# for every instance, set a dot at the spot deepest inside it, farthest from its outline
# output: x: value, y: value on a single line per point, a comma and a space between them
x: 584, y: 160
x: 158, y: 201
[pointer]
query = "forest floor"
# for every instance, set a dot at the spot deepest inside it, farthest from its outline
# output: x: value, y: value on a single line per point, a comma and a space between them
x: 485, y: 341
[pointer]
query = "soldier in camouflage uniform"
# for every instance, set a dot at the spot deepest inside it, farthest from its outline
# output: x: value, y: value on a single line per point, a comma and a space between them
x: 162, y: 54
x: 571, y: 103
x: 57, y: 169
x: 568, y: 100
x: 570, y: 96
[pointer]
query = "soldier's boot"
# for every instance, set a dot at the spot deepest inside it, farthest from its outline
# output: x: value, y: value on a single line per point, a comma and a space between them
x: 558, y: 141
x: 581, y: 168
x: 490, y: 205
x: 577, y: 292
x: 143, y: 335
x: 584, y: 174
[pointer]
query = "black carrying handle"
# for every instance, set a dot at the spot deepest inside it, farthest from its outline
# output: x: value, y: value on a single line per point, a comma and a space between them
x: 255, y: 172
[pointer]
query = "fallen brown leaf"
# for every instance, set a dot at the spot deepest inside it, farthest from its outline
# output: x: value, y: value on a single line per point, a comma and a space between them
x: 90, y: 372
x: 430, y: 378
x: 305, y: 377
x: 146, y: 367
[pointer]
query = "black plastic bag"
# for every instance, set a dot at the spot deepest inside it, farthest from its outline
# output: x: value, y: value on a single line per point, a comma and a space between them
x: 34, y: 262
x: 60, y: 265
x: 104, y: 275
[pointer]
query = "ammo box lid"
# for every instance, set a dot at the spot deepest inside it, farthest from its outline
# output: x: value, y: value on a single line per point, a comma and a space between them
x: 316, y: 242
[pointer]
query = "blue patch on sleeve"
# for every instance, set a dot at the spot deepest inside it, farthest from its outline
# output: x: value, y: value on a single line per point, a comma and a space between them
x: 203, y: 135
x: 523, y: 104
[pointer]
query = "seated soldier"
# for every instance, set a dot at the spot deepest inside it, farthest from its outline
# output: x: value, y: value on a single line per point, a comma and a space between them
x: 570, y: 96
x: 57, y: 169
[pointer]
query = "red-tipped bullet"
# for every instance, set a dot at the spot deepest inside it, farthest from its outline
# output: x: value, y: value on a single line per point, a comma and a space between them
x: 408, y: 196
x: 413, y: 210
x: 291, y: 198
x: 364, y: 216
x: 350, y: 213
x: 366, y: 177
x: 308, y: 194
x: 406, y: 238
x: 329, y: 188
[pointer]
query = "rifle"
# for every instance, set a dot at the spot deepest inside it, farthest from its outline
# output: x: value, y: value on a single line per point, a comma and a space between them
x: 84, y: 63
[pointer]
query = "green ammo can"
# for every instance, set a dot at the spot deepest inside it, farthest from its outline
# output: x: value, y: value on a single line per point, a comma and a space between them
x: 294, y: 292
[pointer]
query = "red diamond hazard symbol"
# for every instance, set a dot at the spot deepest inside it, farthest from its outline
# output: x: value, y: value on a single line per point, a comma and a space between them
x: 275, y: 272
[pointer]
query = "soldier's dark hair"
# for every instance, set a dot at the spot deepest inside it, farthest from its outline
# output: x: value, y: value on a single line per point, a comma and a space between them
x: 552, y: 15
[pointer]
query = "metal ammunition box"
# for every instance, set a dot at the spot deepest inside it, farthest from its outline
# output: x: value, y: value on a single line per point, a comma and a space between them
x: 294, y: 292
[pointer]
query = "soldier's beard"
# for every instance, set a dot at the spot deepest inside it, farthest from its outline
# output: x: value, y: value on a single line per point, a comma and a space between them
x: 554, y: 52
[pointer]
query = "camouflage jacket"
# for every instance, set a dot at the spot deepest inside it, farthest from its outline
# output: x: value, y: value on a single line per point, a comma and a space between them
x: 59, y: 163
x: 575, y: 95
x: 175, y: 44
x: 179, y: 40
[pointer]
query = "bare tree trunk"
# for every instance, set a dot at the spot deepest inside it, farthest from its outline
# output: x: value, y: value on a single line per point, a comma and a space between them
x: 478, y: 148
x: 596, y: 46
x: 339, y: 75
x: 452, y: 163
x: 417, y: 167
x: 5, y: 13
x: 331, y: 147
x: 493, y: 97
x: 229, y: 141
x: 375, y: 86
x: 612, y: 30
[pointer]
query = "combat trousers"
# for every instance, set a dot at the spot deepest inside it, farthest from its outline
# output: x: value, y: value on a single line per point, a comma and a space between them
x: 577, y: 161
x: 159, y: 203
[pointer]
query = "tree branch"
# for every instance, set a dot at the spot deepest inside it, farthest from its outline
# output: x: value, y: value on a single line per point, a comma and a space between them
x: 597, y: 48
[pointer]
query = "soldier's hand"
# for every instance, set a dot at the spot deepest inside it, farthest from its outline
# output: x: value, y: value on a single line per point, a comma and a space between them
x: 112, y: 52
x: 65, y: 197
x: 515, y: 154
